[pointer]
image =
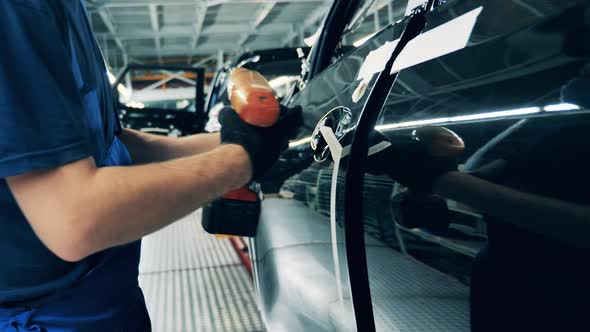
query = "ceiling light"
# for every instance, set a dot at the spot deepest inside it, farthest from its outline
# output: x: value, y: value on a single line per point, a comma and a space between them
x: 561, y: 107
x: 488, y: 115
x: 411, y: 124
x: 499, y: 114
x: 300, y: 142
x: 112, y: 77
x: 135, y: 104
x: 123, y: 92
x: 461, y: 118
x: 363, y: 40
x: 155, y: 130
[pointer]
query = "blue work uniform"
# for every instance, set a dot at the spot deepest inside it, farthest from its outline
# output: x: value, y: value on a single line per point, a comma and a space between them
x: 56, y: 107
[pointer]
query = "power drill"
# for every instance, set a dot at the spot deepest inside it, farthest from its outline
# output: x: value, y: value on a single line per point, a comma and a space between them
x: 237, y: 212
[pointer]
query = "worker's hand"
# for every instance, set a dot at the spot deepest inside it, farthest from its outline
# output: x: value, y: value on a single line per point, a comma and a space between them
x: 262, y: 144
x: 409, y: 162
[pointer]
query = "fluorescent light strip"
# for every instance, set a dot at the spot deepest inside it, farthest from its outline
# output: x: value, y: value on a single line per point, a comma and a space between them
x: 462, y: 118
x: 121, y: 88
x: 499, y: 114
x: 363, y: 40
x: 300, y: 142
x: 155, y: 130
x: 135, y: 104
x: 123, y: 91
x: 561, y: 107
x: 488, y: 115
x: 411, y: 124
x: 112, y: 77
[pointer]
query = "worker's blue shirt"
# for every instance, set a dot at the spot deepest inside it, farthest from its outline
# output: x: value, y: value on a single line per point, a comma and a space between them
x: 56, y: 107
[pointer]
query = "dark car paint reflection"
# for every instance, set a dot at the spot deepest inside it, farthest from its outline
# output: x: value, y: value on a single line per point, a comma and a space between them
x: 520, y: 78
x: 479, y: 93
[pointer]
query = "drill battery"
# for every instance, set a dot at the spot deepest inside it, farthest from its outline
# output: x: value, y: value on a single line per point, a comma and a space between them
x: 234, y: 214
x: 253, y: 99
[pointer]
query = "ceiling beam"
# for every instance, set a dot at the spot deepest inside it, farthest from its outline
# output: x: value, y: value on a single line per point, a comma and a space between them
x: 171, y: 76
x: 231, y: 36
x: 318, y: 15
x: 205, y: 60
x: 97, y: 5
x: 112, y: 31
x: 149, y: 34
x: 266, y: 9
x: 200, y: 14
x: 181, y: 51
x: 155, y: 21
x: 262, y: 15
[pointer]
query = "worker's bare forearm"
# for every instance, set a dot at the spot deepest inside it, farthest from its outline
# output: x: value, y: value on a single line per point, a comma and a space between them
x: 567, y: 222
x: 92, y: 209
x: 145, y: 148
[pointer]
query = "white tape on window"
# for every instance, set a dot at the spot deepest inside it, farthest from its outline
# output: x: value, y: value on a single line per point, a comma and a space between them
x: 376, y: 60
x: 336, y: 151
x: 374, y: 63
x: 444, y: 39
x: 413, y: 4
x: 378, y: 147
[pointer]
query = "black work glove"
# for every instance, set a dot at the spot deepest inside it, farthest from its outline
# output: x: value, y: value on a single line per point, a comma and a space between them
x: 263, y: 145
x: 409, y: 162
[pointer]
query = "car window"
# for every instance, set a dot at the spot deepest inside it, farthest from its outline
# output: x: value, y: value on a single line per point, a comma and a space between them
x: 372, y: 16
x: 516, y: 94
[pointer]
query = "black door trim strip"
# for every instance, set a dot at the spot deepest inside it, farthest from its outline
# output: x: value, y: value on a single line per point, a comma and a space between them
x: 353, y: 198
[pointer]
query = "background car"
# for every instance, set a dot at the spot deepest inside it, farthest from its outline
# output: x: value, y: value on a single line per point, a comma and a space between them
x: 161, y: 99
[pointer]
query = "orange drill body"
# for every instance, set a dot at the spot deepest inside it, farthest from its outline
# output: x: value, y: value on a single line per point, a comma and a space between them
x: 253, y: 98
x: 237, y: 212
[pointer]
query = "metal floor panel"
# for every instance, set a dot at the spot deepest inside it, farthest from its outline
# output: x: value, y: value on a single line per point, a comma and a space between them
x: 193, y: 281
x: 410, y: 296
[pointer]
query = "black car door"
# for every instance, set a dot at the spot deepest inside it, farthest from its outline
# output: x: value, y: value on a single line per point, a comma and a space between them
x: 510, y: 78
x: 300, y: 252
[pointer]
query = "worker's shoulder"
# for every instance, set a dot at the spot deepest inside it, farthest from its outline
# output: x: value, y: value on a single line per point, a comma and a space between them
x: 42, y: 7
x: 39, y: 5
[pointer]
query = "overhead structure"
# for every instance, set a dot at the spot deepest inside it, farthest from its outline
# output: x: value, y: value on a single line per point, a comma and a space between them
x: 191, y: 31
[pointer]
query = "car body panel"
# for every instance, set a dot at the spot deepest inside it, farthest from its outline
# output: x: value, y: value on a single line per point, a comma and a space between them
x: 301, y: 262
x: 516, y: 64
x: 510, y: 70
